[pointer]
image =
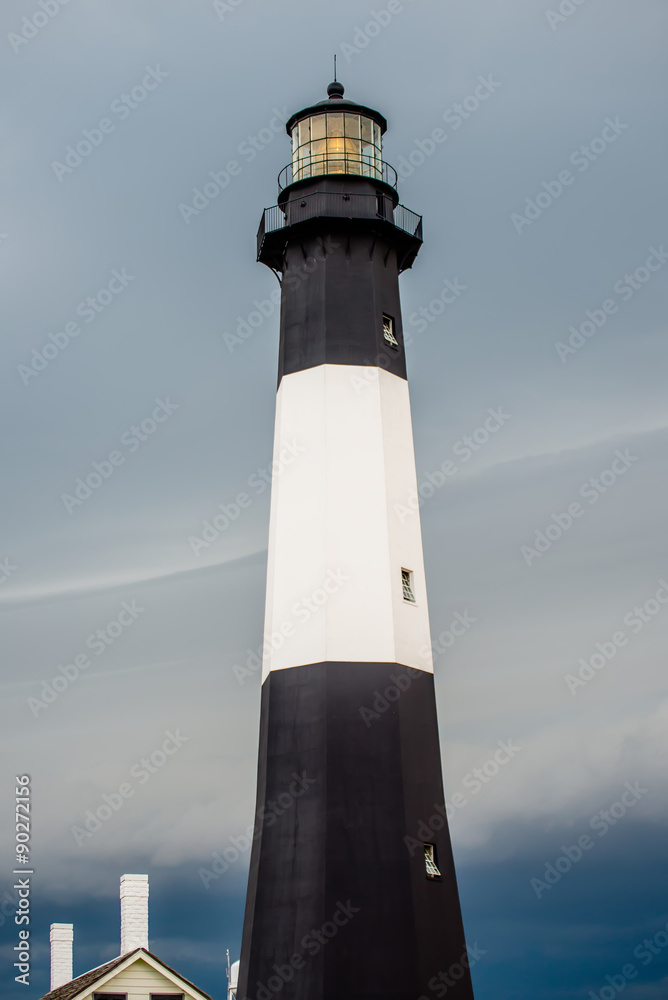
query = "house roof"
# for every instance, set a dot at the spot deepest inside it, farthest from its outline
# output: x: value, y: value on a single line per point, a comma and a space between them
x: 84, y: 983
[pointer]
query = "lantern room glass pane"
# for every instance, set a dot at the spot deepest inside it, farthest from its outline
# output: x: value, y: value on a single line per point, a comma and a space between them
x: 367, y: 130
x: 335, y: 125
x: 352, y: 126
x: 319, y: 127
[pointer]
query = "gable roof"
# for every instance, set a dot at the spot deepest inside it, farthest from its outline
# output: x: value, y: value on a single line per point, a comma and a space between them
x: 78, y: 985
x: 84, y: 983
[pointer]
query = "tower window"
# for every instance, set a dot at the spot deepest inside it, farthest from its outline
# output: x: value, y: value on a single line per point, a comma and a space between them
x: 430, y: 861
x: 388, y: 331
x: 407, y: 585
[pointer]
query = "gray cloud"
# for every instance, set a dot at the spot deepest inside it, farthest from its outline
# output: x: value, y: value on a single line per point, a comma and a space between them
x: 494, y: 347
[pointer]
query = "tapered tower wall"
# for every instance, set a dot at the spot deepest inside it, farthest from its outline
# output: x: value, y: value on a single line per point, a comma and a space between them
x: 340, y: 899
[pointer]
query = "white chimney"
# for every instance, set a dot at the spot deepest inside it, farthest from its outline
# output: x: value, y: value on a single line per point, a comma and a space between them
x: 134, y: 912
x: 62, y: 936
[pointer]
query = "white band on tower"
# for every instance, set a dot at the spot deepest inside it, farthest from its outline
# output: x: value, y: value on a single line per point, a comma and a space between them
x: 344, y: 523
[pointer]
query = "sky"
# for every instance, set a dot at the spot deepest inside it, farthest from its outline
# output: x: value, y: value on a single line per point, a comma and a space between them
x: 123, y: 295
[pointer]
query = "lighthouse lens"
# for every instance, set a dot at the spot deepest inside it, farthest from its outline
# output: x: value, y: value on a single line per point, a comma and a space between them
x: 334, y: 125
x: 338, y: 143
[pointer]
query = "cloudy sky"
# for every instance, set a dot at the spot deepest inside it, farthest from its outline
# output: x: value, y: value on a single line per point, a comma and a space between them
x: 545, y: 207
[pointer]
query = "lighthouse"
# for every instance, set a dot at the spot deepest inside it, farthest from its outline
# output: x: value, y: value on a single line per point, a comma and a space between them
x: 352, y: 892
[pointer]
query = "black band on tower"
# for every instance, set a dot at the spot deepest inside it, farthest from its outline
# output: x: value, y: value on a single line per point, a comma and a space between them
x: 336, y: 316
x: 349, y: 780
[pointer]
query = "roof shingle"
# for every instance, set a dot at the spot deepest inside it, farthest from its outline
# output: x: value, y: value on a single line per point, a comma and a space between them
x: 83, y: 983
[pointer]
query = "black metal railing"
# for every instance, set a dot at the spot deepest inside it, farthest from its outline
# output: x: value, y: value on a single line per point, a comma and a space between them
x: 408, y: 221
x: 336, y: 164
x: 341, y: 206
x: 272, y: 219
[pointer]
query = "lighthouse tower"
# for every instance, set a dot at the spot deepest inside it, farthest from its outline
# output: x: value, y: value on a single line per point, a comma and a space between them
x: 352, y: 892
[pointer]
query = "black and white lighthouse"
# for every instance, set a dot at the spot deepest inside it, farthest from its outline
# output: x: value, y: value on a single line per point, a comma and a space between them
x: 352, y: 892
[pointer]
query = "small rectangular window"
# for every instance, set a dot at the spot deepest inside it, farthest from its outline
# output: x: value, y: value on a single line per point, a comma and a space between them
x: 380, y: 206
x: 110, y: 996
x: 430, y: 861
x: 407, y: 585
x: 166, y: 996
x: 388, y: 331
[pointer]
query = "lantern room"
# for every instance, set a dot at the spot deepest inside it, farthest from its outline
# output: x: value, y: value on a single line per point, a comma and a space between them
x: 337, y: 136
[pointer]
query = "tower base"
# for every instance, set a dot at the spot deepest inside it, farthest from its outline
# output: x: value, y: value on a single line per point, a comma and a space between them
x: 349, y: 789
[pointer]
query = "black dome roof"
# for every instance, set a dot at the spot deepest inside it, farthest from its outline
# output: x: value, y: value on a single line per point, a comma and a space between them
x: 337, y: 102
